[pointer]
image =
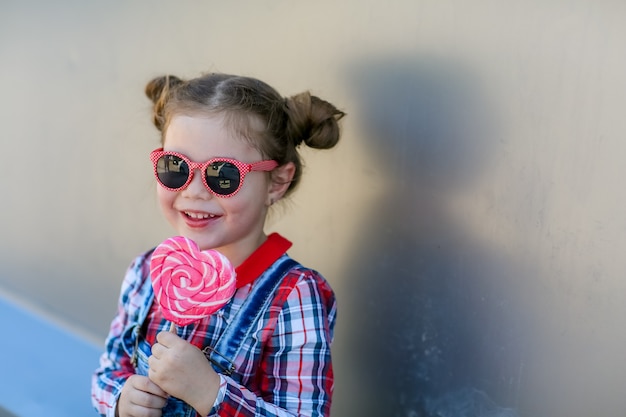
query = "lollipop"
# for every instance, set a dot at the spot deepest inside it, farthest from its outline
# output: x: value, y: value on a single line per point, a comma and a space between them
x: 188, y: 283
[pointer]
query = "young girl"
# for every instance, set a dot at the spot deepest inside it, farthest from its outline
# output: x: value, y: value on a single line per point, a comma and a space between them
x: 229, y: 152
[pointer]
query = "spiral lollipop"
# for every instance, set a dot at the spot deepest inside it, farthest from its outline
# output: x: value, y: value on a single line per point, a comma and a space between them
x: 188, y: 283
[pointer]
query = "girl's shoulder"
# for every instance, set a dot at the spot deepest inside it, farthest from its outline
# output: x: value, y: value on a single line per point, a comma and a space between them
x: 305, y: 273
x: 306, y: 294
x: 301, y: 280
x: 138, y: 273
x: 142, y: 261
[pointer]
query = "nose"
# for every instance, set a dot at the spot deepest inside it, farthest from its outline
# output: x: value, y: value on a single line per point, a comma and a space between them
x: 196, y: 188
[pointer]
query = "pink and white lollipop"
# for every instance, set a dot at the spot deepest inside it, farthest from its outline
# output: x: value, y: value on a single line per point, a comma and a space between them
x: 188, y: 283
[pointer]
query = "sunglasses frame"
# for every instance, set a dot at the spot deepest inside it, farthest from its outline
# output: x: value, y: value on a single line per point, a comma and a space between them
x: 244, y: 169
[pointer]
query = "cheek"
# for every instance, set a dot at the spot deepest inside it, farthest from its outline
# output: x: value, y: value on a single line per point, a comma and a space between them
x: 256, y: 185
x: 247, y: 208
x: 166, y: 198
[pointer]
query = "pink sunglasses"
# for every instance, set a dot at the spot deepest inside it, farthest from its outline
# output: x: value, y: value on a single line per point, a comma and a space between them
x: 222, y: 177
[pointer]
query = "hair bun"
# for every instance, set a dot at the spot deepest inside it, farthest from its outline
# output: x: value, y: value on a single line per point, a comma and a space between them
x: 313, y: 121
x: 159, y: 90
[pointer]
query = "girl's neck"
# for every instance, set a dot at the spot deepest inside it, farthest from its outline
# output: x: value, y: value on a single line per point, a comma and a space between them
x: 238, y: 252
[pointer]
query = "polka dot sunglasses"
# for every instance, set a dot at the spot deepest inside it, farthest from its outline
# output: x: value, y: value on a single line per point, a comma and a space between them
x: 222, y: 177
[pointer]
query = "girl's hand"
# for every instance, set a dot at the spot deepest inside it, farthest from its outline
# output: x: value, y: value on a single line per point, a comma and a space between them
x: 182, y: 370
x: 140, y: 397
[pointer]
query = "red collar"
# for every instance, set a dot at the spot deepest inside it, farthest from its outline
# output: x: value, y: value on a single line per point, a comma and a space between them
x: 262, y: 258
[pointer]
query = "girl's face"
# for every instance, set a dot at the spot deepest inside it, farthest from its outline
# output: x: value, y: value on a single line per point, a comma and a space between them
x: 232, y: 225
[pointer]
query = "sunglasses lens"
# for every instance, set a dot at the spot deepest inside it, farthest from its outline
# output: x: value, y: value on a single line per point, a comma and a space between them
x: 223, y: 177
x: 172, y: 171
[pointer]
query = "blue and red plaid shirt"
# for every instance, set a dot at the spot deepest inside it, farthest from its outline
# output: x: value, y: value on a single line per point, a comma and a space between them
x: 284, y: 370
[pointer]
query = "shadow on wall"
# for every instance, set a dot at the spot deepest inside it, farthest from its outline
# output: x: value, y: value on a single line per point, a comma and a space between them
x: 430, y: 324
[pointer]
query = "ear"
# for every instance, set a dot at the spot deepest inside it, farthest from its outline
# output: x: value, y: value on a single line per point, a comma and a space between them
x: 280, y: 179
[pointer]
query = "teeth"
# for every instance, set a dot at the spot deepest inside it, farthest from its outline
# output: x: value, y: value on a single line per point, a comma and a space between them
x: 199, y: 215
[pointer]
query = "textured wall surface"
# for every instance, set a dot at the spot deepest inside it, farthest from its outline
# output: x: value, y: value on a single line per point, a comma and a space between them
x: 471, y: 220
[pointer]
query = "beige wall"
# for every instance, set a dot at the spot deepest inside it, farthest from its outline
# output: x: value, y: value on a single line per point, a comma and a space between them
x: 479, y: 173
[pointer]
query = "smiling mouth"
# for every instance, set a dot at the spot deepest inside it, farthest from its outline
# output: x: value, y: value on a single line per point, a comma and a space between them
x: 199, y: 216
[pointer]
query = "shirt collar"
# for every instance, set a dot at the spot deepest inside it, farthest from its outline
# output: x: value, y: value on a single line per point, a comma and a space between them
x: 262, y: 258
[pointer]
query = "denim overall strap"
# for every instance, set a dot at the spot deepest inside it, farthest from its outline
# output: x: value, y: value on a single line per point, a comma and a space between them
x: 229, y: 345
x: 139, y: 317
x: 144, y: 309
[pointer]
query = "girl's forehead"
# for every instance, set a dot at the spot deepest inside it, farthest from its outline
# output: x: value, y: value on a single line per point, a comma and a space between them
x: 203, y: 137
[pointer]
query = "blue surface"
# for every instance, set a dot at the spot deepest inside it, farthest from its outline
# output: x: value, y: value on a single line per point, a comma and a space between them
x: 45, y: 369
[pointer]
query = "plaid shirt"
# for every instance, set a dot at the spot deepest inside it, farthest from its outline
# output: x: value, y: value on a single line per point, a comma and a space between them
x: 284, y: 369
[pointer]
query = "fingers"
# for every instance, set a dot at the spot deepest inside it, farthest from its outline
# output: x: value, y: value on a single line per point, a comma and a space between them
x: 168, y: 339
x: 161, y: 362
x: 141, y: 397
x: 169, y: 351
x: 142, y: 383
x: 158, y: 350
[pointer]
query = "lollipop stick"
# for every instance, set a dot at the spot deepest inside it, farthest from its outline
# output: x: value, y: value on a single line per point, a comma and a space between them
x: 173, y: 328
